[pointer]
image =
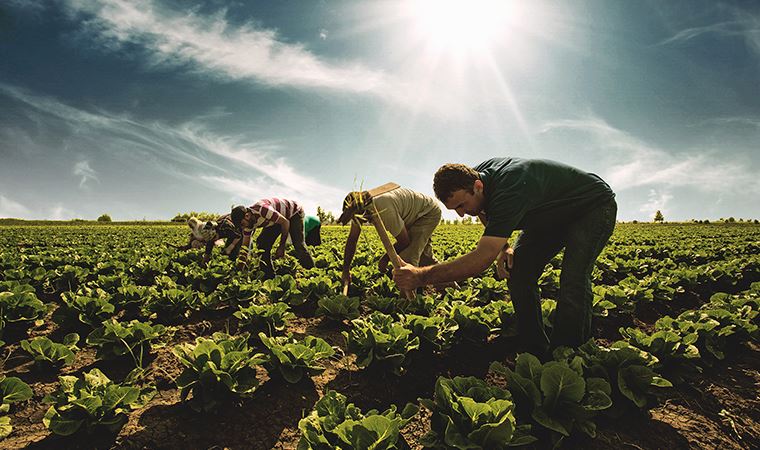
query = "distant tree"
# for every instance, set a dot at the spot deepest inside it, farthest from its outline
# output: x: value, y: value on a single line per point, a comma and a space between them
x: 635, y: 221
x: 757, y: 221
x: 730, y: 220
x: 658, y: 217
x: 467, y: 220
x: 325, y: 217
x: 104, y: 218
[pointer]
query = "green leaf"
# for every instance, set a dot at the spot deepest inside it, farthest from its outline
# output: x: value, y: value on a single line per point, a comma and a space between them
x: 13, y: 390
x: 560, y: 383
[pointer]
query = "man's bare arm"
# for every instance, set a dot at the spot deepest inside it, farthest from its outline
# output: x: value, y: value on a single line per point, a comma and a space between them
x: 409, y: 277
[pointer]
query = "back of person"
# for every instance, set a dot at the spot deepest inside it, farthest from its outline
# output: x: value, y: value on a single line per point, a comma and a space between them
x: 407, y: 204
x: 536, y: 193
x: 264, y: 210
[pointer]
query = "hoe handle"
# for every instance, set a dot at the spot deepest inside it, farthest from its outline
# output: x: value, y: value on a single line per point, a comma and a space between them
x: 389, y: 249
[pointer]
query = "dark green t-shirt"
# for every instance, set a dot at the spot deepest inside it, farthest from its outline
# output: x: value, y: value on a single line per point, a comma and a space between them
x: 525, y: 194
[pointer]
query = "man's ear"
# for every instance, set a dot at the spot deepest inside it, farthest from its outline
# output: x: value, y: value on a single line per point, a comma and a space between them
x: 478, y: 186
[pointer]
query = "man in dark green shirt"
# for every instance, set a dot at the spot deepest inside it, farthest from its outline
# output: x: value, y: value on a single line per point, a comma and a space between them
x: 556, y: 206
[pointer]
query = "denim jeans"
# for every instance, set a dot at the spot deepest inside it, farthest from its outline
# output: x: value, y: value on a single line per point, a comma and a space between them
x: 583, y: 240
x: 269, y: 236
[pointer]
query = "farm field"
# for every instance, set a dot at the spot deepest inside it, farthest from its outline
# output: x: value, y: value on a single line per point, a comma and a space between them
x: 155, y: 351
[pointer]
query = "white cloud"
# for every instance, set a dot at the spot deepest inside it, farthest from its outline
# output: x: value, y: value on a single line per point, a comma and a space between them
x: 59, y: 212
x: 214, y: 46
x: 632, y: 162
x: 743, y: 25
x: 12, y: 209
x: 83, y: 169
x: 249, y: 190
x: 186, y: 152
x: 657, y: 201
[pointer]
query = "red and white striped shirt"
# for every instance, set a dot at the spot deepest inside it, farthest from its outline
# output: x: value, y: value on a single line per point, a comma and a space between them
x: 268, y: 210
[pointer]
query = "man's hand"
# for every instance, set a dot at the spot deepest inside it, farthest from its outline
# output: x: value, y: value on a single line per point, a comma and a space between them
x: 407, y: 277
x: 280, y: 252
x: 504, y: 262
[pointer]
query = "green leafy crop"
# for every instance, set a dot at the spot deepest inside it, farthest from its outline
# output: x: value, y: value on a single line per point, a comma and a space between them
x: 335, y: 424
x: 92, y: 402
x: 293, y: 359
x: 217, y: 370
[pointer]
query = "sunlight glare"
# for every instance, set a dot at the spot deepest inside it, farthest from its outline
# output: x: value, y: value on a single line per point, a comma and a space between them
x: 464, y: 25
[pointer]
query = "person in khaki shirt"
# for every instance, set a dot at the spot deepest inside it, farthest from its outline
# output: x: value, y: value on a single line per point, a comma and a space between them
x: 409, y: 216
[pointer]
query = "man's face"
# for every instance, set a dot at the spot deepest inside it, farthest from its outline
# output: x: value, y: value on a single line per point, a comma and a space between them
x: 247, y: 220
x: 464, y: 202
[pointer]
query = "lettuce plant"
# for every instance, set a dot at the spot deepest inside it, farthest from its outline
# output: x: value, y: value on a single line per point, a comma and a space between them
x: 468, y: 413
x: 86, y: 309
x: 338, y: 307
x: 268, y: 317
x: 22, y: 306
x: 49, y: 354
x: 555, y: 395
x: 626, y: 368
x: 379, y: 341
x: 386, y: 305
x: 334, y: 424
x: 436, y: 331
x: 676, y: 354
x: 283, y: 288
x: 12, y: 390
x: 92, y: 402
x: 294, y: 359
x: 476, y: 323
x: 319, y: 286
x: 217, y: 369
x: 170, y: 303
x: 115, y: 339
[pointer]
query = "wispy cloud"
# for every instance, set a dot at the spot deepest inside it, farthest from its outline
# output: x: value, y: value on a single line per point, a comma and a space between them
x: 245, y: 169
x: 744, y: 25
x: 632, y: 162
x: 60, y: 212
x: 657, y: 201
x: 249, y: 190
x: 12, y: 209
x: 214, y: 46
x: 83, y: 169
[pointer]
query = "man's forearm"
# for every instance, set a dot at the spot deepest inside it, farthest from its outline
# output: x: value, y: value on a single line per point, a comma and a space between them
x: 459, y: 269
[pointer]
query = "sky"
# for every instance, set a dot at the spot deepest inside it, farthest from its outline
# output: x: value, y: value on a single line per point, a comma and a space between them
x: 143, y: 109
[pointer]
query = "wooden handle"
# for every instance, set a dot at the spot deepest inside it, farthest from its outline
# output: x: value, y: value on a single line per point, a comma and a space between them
x: 389, y: 249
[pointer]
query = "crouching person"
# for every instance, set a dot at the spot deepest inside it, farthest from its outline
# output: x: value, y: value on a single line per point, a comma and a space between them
x: 214, y: 233
x: 409, y: 216
x: 277, y: 218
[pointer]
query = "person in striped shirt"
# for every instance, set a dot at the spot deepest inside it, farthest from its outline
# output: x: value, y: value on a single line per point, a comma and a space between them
x: 276, y: 217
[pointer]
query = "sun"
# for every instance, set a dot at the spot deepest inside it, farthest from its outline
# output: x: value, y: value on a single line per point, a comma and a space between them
x: 469, y: 26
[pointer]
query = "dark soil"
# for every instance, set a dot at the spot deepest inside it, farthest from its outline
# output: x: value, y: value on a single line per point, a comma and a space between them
x: 719, y: 409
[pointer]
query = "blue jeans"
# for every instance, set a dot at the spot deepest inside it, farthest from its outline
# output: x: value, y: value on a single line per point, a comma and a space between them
x: 583, y: 240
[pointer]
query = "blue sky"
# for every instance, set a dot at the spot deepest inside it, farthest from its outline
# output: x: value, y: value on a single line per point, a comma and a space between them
x: 147, y: 108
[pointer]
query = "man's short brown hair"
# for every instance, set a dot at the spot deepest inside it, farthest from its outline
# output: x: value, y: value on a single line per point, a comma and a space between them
x: 453, y: 177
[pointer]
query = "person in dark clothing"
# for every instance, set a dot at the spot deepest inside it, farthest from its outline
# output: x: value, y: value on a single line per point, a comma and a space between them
x: 556, y: 206
x: 220, y: 232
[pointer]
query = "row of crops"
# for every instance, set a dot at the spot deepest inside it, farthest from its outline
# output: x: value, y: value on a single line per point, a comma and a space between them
x: 119, y: 296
